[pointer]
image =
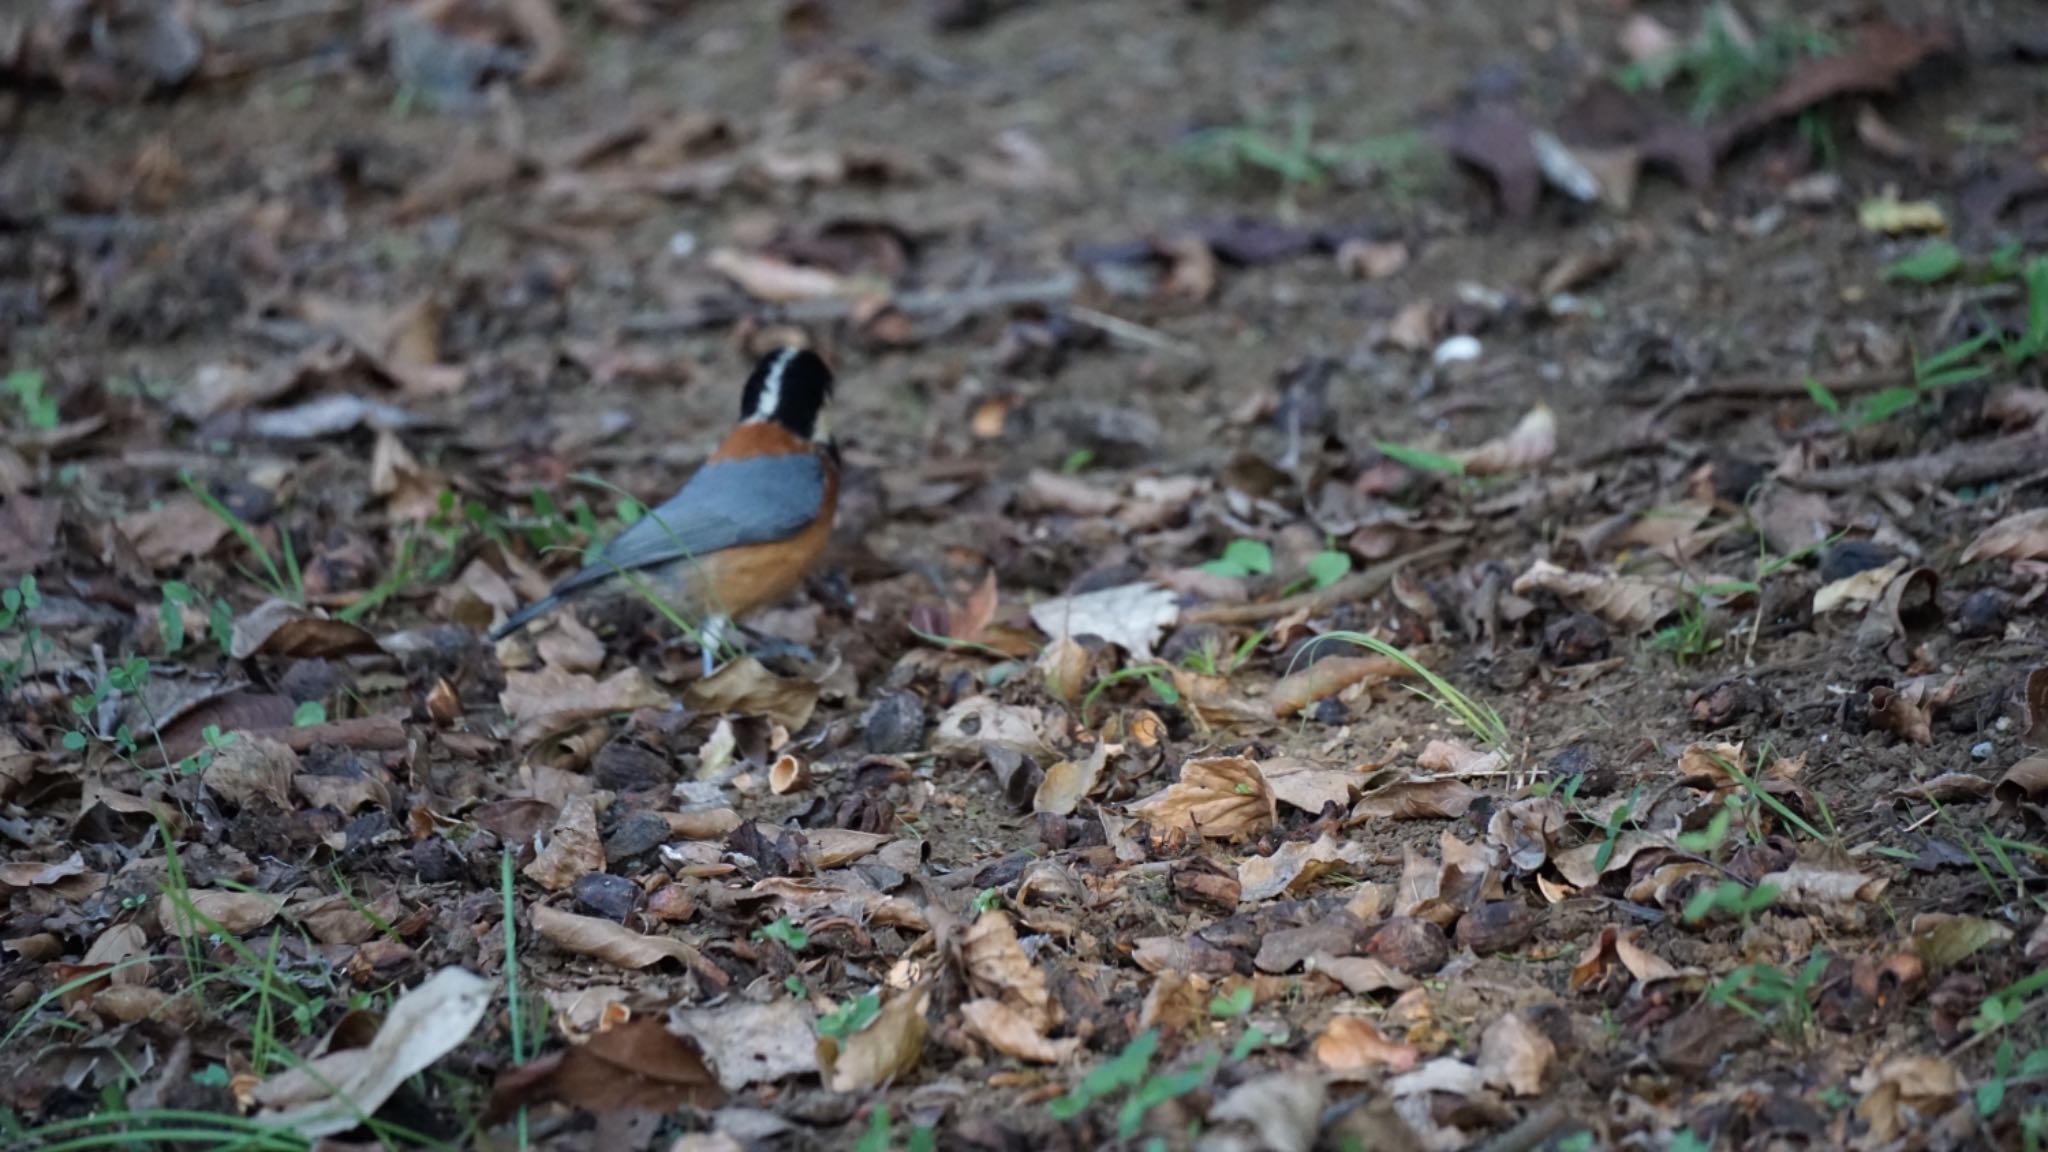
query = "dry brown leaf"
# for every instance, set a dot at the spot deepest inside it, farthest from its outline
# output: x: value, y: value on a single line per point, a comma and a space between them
x: 1858, y: 589
x: 1415, y: 800
x: 1213, y: 701
x: 1456, y: 758
x: 884, y: 1050
x: 1329, y: 676
x: 179, y: 529
x: 343, y: 1087
x: 750, y: 1043
x: 402, y: 344
x: 777, y: 281
x: 979, y: 721
x: 1351, y: 1044
x: 1301, y: 784
x: 283, y: 629
x: 1010, y: 1032
x: 746, y: 687
x: 1060, y: 492
x: 998, y: 968
x: 2020, y: 536
x: 1630, y: 602
x: 1069, y: 782
x: 1294, y: 867
x: 551, y: 699
x: 573, y: 849
x: 635, y: 1066
x: 607, y: 940
x: 837, y: 847
x: 1807, y: 888
x: 570, y: 646
x: 1514, y: 1055
x: 1223, y: 798
x: 1530, y: 444
x: 2026, y: 780
x: 203, y: 911
x: 1362, y: 975
x: 1371, y: 260
x: 252, y: 767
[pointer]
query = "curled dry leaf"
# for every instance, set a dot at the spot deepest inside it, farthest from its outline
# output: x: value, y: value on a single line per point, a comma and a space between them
x: 1532, y: 443
x: 1806, y: 888
x: 2021, y: 536
x: 1415, y: 800
x: 1858, y: 589
x: 423, y: 1025
x: 281, y: 629
x: 1327, y: 677
x: 1352, y: 1044
x: 1456, y: 758
x: 1130, y: 616
x: 203, y: 911
x: 1295, y: 866
x: 573, y: 849
x: 1064, y: 668
x: 2026, y: 780
x: 998, y: 968
x: 607, y: 940
x: 1008, y: 1031
x: 550, y: 700
x: 1069, y: 782
x: 1223, y: 798
x: 777, y: 281
x: 746, y: 687
x: 1301, y: 784
x: 875, y: 1055
x: 1629, y: 602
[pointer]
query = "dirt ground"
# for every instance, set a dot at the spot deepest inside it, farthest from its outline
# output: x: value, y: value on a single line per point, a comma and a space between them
x: 1690, y: 433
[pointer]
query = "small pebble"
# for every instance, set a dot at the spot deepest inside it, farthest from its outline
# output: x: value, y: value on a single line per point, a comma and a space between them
x: 894, y: 724
x: 1981, y: 750
x: 609, y: 896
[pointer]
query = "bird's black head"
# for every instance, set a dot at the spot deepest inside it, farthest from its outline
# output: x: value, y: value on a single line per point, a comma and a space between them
x: 790, y: 386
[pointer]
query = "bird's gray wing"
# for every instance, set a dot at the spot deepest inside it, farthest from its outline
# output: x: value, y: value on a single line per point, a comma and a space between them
x: 725, y: 505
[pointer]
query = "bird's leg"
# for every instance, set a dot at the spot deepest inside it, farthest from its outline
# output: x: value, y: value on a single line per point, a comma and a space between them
x: 709, y: 637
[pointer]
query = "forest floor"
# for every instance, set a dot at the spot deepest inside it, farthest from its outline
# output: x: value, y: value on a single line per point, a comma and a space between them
x: 1647, y: 397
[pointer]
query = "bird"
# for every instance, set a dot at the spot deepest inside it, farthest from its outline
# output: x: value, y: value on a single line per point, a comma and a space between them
x: 747, y: 525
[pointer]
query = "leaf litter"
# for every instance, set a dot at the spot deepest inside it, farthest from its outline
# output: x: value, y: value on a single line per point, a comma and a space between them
x: 1115, y: 852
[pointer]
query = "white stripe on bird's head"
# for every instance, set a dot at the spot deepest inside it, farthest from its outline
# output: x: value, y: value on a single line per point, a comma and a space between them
x: 771, y: 386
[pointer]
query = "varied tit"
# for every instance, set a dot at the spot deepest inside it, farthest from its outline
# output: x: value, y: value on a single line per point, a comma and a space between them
x: 745, y: 529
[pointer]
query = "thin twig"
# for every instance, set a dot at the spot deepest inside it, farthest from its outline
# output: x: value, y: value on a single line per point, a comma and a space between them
x: 1972, y: 463
x: 1052, y: 290
x: 1118, y: 328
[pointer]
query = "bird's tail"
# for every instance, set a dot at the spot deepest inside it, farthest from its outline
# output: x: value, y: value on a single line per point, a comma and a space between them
x: 523, y: 617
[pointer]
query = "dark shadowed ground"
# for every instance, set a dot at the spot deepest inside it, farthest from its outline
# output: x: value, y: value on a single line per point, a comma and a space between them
x: 1694, y: 353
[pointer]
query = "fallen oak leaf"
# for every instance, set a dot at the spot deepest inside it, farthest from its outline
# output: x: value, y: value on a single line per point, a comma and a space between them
x: 1224, y: 798
x: 608, y: 940
x: 1130, y: 616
